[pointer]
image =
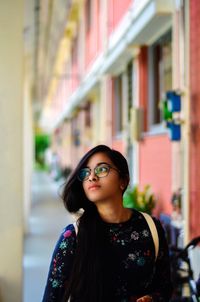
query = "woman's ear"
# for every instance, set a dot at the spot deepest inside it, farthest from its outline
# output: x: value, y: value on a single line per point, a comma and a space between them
x: 124, y: 184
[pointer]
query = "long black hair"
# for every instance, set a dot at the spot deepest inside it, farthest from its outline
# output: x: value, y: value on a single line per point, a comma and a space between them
x: 92, y: 263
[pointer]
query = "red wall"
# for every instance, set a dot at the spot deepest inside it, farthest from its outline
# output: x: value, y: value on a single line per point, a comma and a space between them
x: 116, y: 10
x: 155, y: 169
x: 195, y: 118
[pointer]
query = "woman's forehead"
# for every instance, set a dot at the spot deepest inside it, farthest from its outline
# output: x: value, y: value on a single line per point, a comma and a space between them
x: 98, y: 158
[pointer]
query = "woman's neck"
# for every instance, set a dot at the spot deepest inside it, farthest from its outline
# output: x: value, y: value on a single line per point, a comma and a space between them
x: 114, y: 213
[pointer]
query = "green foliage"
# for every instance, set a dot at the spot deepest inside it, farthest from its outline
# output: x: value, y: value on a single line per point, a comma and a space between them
x: 42, y: 142
x: 140, y: 200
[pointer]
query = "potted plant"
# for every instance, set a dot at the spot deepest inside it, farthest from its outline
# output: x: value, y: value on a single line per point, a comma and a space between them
x: 140, y: 200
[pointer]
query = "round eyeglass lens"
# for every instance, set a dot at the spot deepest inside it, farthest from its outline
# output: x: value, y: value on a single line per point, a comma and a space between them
x: 84, y: 174
x: 102, y: 171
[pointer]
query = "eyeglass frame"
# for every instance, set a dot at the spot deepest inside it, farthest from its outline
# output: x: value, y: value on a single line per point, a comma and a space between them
x: 90, y: 170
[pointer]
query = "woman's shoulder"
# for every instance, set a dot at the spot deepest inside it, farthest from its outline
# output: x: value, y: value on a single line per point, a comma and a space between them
x: 140, y: 216
x: 155, y: 219
x: 157, y: 223
x: 69, y: 231
x: 67, y: 239
x: 161, y: 231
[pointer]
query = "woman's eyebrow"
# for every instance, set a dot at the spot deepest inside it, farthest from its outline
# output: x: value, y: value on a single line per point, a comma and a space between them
x: 100, y: 163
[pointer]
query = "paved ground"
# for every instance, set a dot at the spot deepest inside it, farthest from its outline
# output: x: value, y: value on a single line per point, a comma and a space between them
x: 47, y: 219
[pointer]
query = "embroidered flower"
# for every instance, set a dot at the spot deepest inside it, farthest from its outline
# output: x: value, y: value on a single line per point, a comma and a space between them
x: 55, y: 283
x: 67, y: 234
x: 114, y: 238
x: 132, y: 256
x: 60, y: 268
x: 145, y: 233
x: 54, y: 262
x: 63, y: 245
x: 135, y: 235
x: 141, y: 261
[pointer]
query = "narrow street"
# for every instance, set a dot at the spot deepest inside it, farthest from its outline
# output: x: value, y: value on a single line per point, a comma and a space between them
x: 47, y: 219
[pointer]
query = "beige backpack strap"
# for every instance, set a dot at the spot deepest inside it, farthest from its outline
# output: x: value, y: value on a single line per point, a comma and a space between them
x: 154, y: 232
x: 76, y: 217
x: 75, y: 227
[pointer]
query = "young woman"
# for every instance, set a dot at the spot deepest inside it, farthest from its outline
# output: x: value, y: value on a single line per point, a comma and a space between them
x: 110, y: 256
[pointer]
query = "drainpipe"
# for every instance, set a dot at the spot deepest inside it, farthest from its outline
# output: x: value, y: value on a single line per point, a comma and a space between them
x: 181, y: 81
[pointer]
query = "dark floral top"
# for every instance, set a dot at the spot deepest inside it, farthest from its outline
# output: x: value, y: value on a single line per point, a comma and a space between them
x: 136, y: 272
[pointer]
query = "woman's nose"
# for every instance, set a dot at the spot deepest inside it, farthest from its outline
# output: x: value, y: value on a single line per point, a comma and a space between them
x: 93, y: 176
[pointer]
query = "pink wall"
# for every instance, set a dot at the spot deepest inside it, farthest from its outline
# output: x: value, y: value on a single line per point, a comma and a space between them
x: 195, y: 118
x: 119, y: 145
x: 93, y: 44
x: 116, y: 10
x: 155, y: 169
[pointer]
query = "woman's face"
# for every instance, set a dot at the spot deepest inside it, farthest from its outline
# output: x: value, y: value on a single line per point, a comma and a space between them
x: 106, y: 188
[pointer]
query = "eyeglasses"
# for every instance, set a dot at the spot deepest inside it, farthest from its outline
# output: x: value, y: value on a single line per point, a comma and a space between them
x: 100, y: 171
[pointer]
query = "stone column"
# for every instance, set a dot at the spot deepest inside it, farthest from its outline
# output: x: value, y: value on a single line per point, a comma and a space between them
x: 11, y: 149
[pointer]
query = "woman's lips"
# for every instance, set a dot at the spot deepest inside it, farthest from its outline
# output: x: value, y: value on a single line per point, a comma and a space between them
x: 94, y: 187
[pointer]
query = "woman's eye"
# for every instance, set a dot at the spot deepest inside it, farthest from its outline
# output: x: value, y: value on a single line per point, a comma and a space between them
x: 102, y: 169
x: 84, y: 173
x: 87, y: 173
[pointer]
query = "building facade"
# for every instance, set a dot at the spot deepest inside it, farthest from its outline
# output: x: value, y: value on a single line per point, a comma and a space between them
x: 104, y: 79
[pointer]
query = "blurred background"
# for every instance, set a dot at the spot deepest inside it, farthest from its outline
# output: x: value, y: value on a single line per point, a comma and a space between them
x: 77, y: 73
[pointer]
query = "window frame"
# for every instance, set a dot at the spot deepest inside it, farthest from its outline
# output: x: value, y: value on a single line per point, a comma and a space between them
x: 118, y: 104
x: 155, y: 82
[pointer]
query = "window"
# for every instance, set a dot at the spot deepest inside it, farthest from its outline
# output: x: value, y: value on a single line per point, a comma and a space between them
x: 160, y: 75
x: 130, y: 87
x: 76, y: 134
x: 88, y: 122
x: 88, y: 15
x: 118, y: 99
x: 75, y: 51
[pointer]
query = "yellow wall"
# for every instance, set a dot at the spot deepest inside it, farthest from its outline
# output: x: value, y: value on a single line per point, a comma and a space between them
x: 11, y: 153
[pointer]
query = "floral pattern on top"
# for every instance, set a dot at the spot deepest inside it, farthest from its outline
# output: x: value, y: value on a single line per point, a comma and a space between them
x: 59, y: 268
x: 133, y: 259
